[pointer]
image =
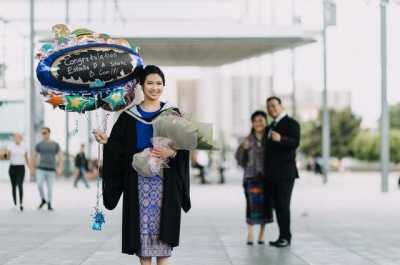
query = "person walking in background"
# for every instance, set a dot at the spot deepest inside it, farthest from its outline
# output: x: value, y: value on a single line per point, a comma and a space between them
x: 318, y: 165
x: 282, y: 139
x: 50, y: 163
x: 222, y: 165
x: 18, y: 154
x: 81, y: 164
x: 250, y: 156
x: 200, y: 161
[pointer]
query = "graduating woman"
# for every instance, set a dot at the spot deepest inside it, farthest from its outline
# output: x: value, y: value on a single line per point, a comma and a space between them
x: 151, y: 205
x: 250, y: 156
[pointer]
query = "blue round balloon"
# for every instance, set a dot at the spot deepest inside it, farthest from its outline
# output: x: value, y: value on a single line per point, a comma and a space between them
x: 89, y: 69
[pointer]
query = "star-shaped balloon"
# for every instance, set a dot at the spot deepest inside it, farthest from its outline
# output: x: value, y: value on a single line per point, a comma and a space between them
x: 46, y: 47
x: 122, y: 42
x: 81, y: 32
x: 103, y: 37
x: 61, y: 33
x: 90, y: 104
x: 75, y: 103
x: 56, y: 100
x: 115, y: 99
x: 82, y: 35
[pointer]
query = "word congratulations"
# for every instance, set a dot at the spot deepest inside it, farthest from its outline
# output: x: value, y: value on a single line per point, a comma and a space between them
x: 90, y: 64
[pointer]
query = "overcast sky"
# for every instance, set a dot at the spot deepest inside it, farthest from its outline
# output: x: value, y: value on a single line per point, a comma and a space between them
x: 354, y: 54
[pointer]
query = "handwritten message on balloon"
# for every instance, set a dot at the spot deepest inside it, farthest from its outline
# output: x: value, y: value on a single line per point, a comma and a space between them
x: 86, y: 65
x: 88, y: 68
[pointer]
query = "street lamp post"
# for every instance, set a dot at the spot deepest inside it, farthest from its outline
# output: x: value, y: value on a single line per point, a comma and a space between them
x: 89, y: 115
x: 293, y: 64
x: 32, y: 94
x: 67, y: 164
x: 3, y: 53
x: 327, y: 18
x: 385, y: 154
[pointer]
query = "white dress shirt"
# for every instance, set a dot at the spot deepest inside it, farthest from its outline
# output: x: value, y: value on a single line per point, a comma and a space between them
x: 276, y: 121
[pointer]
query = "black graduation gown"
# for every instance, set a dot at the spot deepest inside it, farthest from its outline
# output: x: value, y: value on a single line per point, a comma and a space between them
x: 120, y: 178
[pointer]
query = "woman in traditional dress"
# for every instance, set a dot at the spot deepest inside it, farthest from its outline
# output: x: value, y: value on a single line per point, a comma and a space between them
x: 151, y: 205
x: 249, y: 156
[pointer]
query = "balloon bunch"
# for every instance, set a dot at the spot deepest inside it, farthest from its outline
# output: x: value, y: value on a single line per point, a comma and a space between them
x: 82, y: 70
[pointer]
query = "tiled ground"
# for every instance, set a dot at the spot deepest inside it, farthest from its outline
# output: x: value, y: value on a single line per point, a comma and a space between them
x: 346, y: 222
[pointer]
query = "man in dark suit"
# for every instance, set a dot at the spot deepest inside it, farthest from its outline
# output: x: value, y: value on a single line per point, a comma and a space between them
x: 282, y: 139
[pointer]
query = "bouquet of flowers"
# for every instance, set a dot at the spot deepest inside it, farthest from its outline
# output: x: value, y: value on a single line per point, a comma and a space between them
x: 147, y: 165
x: 175, y: 131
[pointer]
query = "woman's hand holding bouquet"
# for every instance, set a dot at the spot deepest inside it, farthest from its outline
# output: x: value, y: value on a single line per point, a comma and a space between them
x: 172, y: 132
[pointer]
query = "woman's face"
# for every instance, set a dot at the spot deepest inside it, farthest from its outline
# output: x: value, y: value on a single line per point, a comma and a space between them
x: 17, y: 138
x: 153, y: 87
x: 259, y: 124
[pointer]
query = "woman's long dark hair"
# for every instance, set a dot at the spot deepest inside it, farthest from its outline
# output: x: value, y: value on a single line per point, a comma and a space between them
x: 254, y: 116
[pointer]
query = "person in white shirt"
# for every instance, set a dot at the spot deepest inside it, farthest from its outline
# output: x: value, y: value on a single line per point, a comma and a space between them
x: 200, y: 161
x: 18, y: 157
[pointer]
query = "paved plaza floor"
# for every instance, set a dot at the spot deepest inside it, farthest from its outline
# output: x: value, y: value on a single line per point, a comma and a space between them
x: 347, y: 221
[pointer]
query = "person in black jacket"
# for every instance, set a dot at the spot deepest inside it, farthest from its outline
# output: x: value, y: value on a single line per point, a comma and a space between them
x: 81, y: 164
x: 282, y: 140
x: 151, y: 205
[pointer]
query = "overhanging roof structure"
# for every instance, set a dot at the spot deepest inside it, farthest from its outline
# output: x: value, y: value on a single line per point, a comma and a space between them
x: 213, y: 46
x: 206, y: 45
x: 210, y: 51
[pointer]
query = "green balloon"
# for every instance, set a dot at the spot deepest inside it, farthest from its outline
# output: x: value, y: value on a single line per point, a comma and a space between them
x: 75, y: 103
x: 46, y: 47
x: 91, y: 104
x: 116, y: 99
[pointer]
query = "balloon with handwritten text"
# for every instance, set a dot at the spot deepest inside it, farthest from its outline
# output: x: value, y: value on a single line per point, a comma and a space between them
x: 82, y: 70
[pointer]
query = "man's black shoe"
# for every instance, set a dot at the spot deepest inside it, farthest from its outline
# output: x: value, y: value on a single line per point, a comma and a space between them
x: 281, y: 243
x: 49, y: 207
x: 273, y: 243
x: 42, y: 204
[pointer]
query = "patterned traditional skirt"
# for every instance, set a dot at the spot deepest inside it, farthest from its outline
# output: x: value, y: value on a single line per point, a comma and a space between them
x: 150, y: 199
x: 258, y: 205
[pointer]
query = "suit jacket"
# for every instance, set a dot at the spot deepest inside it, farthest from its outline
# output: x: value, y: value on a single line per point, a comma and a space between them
x: 280, y: 157
x: 120, y: 178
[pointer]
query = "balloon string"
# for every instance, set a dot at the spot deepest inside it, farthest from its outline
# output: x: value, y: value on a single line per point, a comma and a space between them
x: 104, y: 129
x: 76, y: 128
x: 98, y: 162
x: 98, y: 177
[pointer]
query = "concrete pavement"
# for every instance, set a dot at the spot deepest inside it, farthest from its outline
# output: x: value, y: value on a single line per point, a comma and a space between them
x: 346, y: 222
